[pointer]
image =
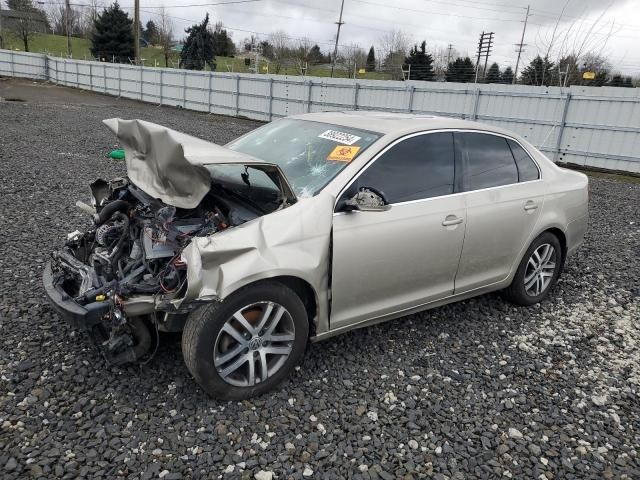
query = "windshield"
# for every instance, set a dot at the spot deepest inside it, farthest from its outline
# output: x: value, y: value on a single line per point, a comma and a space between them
x: 310, y: 154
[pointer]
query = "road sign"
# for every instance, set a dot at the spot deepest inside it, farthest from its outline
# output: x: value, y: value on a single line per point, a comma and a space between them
x: 588, y: 75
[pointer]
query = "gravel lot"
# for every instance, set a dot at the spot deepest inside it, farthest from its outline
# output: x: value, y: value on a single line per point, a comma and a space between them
x: 475, y: 389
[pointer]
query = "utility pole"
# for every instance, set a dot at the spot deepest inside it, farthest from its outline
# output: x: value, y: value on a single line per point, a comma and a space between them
x: 521, y: 45
x: 484, y: 48
x: 335, y: 49
x: 486, y: 57
x: 136, y: 31
x: 449, y: 48
x: 67, y: 13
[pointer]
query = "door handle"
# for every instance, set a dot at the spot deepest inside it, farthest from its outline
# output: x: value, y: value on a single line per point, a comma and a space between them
x: 530, y: 205
x: 452, y: 220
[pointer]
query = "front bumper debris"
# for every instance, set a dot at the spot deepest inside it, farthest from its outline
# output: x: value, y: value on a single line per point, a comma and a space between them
x: 79, y: 316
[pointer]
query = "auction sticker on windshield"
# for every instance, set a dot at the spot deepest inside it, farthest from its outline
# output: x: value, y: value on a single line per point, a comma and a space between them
x: 339, y: 137
x: 343, y: 153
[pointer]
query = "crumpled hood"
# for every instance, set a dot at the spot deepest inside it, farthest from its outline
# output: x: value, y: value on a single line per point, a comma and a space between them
x: 169, y: 165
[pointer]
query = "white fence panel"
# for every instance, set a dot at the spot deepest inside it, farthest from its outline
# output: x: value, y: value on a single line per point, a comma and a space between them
x: 597, y: 127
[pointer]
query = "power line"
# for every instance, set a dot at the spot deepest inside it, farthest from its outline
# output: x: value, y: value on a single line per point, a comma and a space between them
x: 440, y: 13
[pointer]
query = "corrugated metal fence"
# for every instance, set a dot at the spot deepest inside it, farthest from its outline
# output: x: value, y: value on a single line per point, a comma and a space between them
x: 597, y: 127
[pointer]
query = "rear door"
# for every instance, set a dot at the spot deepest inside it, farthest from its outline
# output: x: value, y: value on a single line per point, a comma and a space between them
x: 504, y: 198
x: 408, y: 255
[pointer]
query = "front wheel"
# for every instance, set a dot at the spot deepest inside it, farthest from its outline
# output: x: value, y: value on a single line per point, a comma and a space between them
x: 247, y: 344
x: 538, y: 271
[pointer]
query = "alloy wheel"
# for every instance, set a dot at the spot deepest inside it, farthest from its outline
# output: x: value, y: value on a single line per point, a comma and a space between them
x: 254, y: 343
x: 540, y: 270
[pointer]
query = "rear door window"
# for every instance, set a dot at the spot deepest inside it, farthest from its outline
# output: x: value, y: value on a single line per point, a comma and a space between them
x: 486, y: 161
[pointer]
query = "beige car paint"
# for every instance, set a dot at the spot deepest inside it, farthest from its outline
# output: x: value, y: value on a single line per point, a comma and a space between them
x: 367, y: 246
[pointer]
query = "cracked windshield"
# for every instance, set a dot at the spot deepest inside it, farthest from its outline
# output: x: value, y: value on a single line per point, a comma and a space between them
x: 309, y: 153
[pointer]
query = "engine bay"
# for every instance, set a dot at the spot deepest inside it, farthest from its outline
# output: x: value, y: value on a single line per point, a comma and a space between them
x: 132, y: 250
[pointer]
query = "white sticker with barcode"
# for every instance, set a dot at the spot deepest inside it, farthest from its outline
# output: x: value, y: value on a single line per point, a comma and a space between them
x: 340, y: 137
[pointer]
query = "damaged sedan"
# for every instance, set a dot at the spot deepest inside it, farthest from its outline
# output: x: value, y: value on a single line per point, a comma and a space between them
x: 307, y: 227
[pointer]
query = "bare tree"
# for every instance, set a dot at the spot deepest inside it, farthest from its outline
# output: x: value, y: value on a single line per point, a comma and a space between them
x: 393, y: 48
x: 57, y: 14
x: 27, y: 20
x: 571, y: 45
x: 350, y: 56
x: 87, y: 20
x: 281, y: 48
x: 302, y: 54
x: 165, y: 34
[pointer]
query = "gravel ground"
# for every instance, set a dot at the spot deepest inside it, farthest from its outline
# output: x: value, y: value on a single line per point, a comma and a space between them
x: 475, y: 389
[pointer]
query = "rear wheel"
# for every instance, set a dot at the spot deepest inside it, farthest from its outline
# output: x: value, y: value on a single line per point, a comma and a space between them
x: 249, y: 343
x: 538, y: 271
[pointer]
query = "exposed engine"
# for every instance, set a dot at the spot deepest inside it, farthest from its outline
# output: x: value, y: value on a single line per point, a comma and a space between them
x: 132, y: 250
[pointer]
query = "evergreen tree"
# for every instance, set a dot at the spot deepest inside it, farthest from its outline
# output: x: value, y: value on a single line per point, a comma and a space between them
x: 199, y: 48
x: 507, y: 76
x: 628, y: 82
x: 223, y: 45
x: 315, y: 56
x: 151, y: 33
x: 371, y: 60
x: 460, y: 70
x: 112, y: 38
x: 493, y: 74
x: 538, y: 72
x: 419, y: 63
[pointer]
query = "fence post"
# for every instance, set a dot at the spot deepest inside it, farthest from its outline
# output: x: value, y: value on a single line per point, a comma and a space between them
x: 91, y: 76
x: 237, y: 95
x: 210, y: 89
x: 13, y: 67
x: 104, y: 77
x: 563, y: 122
x: 46, y: 67
x: 141, y: 88
x: 356, y: 87
x: 184, y: 89
x: 309, y: 92
x: 161, y: 82
x: 475, y: 104
x: 412, y: 91
x: 66, y: 76
x: 119, y: 80
x: 77, y: 74
x: 270, y: 111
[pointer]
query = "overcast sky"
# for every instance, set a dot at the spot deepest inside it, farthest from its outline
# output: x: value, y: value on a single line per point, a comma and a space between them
x: 616, y: 34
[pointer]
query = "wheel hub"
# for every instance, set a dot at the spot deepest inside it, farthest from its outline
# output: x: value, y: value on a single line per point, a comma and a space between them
x: 254, y: 343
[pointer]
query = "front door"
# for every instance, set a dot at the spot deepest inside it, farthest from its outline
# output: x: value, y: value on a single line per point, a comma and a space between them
x: 388, y: 261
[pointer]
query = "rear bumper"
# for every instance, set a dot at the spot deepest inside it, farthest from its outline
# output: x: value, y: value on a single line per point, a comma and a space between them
x: 576, y: 231
x: 80, y: 316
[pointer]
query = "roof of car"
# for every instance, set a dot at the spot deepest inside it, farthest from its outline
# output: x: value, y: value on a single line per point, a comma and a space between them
x: 395, y: 123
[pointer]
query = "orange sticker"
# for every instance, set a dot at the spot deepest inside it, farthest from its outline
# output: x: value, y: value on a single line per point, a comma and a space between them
x: 343, y: 153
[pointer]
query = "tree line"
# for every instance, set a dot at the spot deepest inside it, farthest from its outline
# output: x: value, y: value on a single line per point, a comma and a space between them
x: 111, y: 29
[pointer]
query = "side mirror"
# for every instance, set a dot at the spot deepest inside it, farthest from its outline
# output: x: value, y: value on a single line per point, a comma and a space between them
x: 367, y: 200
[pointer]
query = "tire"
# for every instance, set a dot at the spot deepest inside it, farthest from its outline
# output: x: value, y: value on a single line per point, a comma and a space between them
x: 529, y: 287
x: 220, y: 359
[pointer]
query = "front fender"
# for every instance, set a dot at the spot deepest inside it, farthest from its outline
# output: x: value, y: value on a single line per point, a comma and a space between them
x: 294, y: 242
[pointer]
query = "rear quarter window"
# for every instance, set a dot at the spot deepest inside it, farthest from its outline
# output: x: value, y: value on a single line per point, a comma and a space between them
x: 527, y: 168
